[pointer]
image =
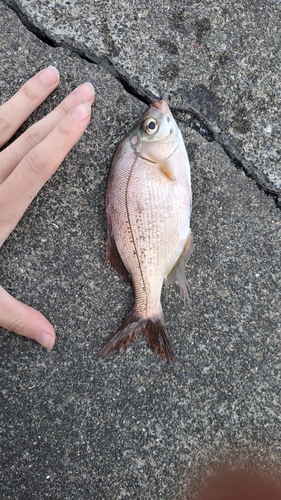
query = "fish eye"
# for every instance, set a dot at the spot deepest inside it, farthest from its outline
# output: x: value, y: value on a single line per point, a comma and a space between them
x: 150, y: 125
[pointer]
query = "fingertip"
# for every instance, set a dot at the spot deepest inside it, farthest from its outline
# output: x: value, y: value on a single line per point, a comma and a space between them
x: 92, y: 88
x: 55, y: 70
x: 85, y: 92
x: 25, y: 321
x: 49, y: 76
x: 82, y: 111
x: 46, y: 339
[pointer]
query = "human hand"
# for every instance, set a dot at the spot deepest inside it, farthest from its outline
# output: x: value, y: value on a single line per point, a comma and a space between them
x: 25, y: 166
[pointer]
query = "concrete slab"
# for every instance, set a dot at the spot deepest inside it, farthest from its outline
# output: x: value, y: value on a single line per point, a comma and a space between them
x: 220, y: 61
x: 133, y: 427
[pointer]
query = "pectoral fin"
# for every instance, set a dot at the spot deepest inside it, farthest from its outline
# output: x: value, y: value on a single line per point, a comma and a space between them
x: 168, y: 166
x: 177, y: 274
x: 167, y: 171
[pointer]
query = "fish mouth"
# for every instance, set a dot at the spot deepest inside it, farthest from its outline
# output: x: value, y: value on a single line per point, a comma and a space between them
x: 161, y: 106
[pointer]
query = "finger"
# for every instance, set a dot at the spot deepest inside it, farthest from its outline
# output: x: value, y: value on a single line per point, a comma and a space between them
x: 15, y: 111
x: 25, y: 320
x: 13, y: 154
x: 19, y: 189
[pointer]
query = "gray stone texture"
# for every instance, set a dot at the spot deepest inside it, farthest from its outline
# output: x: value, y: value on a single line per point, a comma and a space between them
x: 218, y: 59
x: 133, y: 427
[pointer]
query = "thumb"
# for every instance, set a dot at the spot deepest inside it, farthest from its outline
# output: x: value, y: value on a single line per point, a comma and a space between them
x: 24, y: 320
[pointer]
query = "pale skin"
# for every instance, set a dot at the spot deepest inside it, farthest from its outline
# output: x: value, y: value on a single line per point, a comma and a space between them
x: 26, y: 165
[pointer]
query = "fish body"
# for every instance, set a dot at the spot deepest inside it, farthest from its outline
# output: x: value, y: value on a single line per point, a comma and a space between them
x: 148, y: 208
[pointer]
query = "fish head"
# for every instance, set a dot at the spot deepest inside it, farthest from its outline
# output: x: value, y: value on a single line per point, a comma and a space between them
x: 155, y: 135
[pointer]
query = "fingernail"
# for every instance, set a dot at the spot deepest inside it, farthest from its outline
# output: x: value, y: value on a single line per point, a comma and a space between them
x: 49, y: 76
x: 82, y: 111
x: 85, y: 92
x: 45, y: 339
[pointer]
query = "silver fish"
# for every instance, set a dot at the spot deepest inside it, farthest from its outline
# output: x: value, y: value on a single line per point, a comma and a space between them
x: 148, y: 208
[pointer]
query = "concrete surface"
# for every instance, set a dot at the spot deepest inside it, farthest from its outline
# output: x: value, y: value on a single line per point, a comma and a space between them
x: 218, y: 59
x: 133, y: 427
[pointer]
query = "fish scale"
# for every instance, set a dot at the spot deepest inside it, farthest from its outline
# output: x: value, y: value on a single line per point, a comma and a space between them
x: 148, y: 207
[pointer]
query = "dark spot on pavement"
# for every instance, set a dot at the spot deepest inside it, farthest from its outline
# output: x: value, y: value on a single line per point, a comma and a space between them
x: 202, y: 27
x: 177, y: 20
x: 241, y: 122
x: 170, y: 47
x: 223, y: 58
x: 206, y: 102
x: 170, y: 71
x: 192, y: 149
x: 111, y: 45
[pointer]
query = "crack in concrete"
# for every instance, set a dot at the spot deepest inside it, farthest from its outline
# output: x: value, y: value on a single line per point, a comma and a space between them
x: 211, y: 133
x: 195, y: 120
x: 102, y: 61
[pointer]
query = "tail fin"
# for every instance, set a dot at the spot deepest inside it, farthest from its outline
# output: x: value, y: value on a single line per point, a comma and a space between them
x: 154, y: 330
x: 127, y: 332
x: 158, y: 340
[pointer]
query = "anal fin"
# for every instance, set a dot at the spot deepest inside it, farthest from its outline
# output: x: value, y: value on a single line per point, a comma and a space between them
x: 177, y: 273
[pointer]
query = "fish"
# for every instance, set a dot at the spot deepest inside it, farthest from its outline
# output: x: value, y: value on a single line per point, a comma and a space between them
x: 148, y: 209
